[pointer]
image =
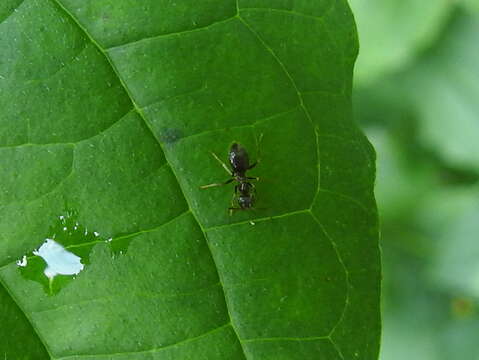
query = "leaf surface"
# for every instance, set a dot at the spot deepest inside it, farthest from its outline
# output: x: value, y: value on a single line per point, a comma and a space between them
x: 111, y: 109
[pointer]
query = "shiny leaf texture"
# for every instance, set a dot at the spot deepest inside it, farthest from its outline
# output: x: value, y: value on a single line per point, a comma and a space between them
x: 109, y: 111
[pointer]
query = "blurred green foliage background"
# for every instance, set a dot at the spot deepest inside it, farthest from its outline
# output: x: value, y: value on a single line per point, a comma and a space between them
x: 417, y: 97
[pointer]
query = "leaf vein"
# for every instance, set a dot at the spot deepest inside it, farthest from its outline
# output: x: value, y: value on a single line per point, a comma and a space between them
x: 346, y: 272
x: 289, y: 12
x: 353, y: 200
x: 291, y: 213
x: 30, y: 144
x: 14, y: 10
x: 127, y: 236
x: 336, y: 347
x: 279, y: 338
x: 144, y: 295
x: 253, y: 124
x: 293, y: 83
x: 52, y: 190
x: 57, y: 71
x: 151, y: 351
x: 166, y: 35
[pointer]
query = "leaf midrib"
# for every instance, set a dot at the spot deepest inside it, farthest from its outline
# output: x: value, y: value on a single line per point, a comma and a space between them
x: 140, y: 113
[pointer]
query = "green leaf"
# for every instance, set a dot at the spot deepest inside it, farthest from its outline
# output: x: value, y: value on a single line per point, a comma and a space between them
x: 109, y: 112
x: 18, y: 338
x: 393, y: 32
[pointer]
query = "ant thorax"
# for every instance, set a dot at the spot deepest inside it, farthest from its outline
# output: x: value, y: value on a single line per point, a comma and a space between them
x: 244, y: 195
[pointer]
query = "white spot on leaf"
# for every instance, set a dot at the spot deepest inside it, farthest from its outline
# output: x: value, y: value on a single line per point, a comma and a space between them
x: 22, y: 262
x: 59, y: 260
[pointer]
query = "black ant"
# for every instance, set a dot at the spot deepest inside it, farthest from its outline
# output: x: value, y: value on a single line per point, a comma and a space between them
x: 245, y: 192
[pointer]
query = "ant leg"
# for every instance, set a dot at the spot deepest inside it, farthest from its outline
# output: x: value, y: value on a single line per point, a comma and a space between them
x: 235, y: 194
x: 216, y: 184
x: 222, y: 164
x: 252, y: 178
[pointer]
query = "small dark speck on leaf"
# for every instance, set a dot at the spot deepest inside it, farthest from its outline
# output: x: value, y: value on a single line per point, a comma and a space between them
x: 170, y: 136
